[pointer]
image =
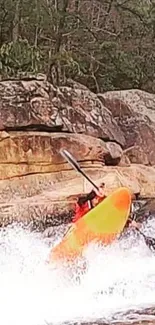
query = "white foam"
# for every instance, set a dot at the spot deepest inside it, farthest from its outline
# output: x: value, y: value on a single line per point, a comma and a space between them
x: 117, y: 279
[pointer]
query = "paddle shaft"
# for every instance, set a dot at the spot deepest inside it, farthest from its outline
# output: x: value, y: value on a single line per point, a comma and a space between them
x: 88, y: 179
x: 72, y: 161
x: 150, y: 241
x: 141, y: 233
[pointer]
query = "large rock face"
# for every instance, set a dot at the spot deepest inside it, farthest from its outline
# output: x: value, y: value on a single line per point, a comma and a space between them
x: 105, y: 133
x: 134, y: 111
x: 38, y: 105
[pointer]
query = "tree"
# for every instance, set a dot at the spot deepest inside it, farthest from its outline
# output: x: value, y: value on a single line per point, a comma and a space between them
x: 104, y: 44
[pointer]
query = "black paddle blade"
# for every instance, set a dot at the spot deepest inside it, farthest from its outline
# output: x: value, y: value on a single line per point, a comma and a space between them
x: 150, y: 242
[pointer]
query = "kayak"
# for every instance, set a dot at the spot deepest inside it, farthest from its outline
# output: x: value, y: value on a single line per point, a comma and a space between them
x: 101, y: 224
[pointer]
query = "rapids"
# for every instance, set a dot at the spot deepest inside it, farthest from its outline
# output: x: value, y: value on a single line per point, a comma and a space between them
x: 118, y: 280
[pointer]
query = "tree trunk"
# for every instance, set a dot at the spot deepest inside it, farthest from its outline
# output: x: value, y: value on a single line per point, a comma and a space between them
x: 16, y: 21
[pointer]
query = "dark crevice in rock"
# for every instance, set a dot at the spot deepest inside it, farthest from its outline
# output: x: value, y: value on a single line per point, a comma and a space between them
x: 109, y: 161
x: 35, y: 127
x: 39, y: 128
x: 50, y: 129
x: 106, y: 139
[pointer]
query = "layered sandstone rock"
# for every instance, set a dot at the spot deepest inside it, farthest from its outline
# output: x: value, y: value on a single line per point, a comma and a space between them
x: 48, y: 199
x: 23, y: 153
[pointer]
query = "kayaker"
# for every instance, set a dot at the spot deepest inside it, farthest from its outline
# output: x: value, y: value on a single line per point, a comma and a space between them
x: 89, y: 201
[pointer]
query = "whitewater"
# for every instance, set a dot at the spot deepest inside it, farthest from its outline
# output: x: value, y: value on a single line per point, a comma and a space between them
x: 117, y: 279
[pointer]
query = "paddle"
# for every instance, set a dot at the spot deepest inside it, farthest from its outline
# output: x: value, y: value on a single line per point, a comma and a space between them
x: 75, y: 165
x: 150, y: 241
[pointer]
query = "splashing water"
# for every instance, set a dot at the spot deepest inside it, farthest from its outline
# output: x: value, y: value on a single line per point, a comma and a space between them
x: 117, y: 279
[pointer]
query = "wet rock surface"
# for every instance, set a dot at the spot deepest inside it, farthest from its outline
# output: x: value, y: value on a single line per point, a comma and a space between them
x: 144, y: 316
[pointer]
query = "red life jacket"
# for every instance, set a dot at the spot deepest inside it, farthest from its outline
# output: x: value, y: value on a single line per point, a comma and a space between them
x: 80, y: 211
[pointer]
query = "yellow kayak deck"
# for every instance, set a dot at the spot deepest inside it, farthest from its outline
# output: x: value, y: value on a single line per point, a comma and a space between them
x: 101, y: 224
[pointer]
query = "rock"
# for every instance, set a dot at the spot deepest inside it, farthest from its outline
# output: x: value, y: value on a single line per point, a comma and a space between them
x: 37, y: 186
x: 25, y: 153
x: 125, y: 161
x: 1, y: 126
x: 114, y: 154
x: 146, y: 210
x: 134, y: 111
x: 37, y: 105
x: 132, y: 318
x: 45, y: 200
x: 136, y: 155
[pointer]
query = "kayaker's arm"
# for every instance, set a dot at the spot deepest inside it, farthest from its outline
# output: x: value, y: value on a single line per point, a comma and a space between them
x: 92, y: 198
x: 87, y: 198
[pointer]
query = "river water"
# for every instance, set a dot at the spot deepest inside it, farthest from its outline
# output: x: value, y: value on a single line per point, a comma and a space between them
x: 117, y: 279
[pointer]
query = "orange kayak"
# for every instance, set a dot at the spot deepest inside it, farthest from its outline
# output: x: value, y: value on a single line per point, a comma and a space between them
x: 101, y: 224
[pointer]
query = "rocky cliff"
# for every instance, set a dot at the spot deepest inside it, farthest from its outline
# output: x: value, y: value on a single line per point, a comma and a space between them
x: 112, y: 135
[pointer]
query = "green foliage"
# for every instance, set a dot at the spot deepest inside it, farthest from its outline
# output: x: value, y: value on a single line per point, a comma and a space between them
x: 105, y: 45
x: 17, y: 58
